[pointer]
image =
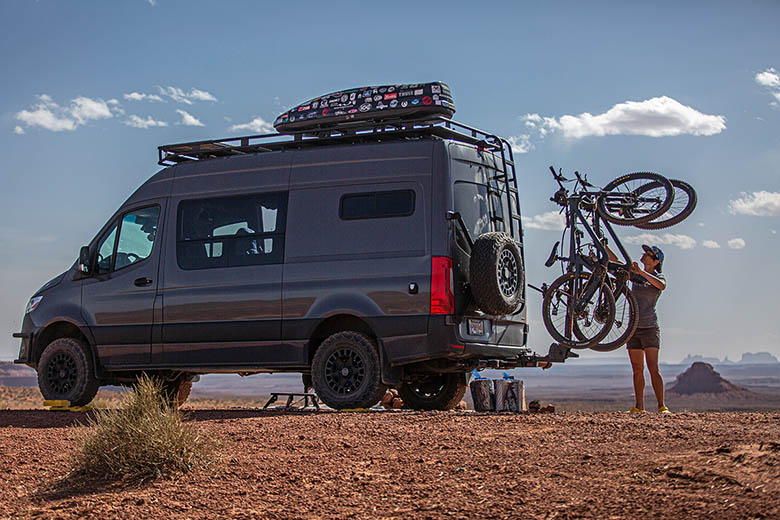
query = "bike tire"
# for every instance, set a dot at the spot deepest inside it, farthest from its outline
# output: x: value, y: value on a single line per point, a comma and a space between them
x: 685, y: 200
x: 619, y: 205
x: 624, y: 325
x: 559, y: 294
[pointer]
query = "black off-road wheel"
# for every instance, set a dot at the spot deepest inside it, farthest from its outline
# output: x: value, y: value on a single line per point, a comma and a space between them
x: 434, y: 392
x: 496, y: 274
x: 346, y: 371
x: 65, y: 372
x: 177, y: 391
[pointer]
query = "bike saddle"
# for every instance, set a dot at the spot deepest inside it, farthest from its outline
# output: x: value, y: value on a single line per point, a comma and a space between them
x: 553, y: 255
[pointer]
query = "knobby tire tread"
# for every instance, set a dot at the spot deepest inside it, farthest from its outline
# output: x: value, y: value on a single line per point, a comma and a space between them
x: 649, y: 176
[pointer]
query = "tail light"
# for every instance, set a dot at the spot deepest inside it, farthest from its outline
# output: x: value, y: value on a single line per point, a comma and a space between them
x: 442, y: 300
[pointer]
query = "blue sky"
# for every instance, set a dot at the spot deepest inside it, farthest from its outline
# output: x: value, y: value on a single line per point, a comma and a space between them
x: 690, y: 90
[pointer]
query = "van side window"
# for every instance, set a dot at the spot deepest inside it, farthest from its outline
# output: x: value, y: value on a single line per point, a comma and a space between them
x: 381, y: 204
x: 105, y: 251
x: 231, y: 231
x: 136, y: 236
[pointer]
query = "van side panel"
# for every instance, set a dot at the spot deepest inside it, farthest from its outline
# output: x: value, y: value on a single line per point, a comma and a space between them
x: 224, y: 316
x: 361, y: 267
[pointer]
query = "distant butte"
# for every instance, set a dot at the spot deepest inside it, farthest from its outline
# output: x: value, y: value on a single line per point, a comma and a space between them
x: 701, y: 378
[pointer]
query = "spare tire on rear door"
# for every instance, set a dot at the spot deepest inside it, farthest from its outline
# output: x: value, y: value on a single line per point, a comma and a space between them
x: 496, y: 274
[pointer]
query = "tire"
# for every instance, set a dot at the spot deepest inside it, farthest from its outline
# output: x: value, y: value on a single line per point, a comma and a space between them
x: 496, y: 274
x: 65, y: 372
x: 623, y: 203
x: 177, y: 391
x: 685, y: 200
x: 435, y: 392
x: 361, y: 386
x: 596, y: 320
x: 623, y: 326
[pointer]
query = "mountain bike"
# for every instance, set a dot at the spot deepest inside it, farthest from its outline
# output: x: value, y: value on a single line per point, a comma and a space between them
x: 590, y: 304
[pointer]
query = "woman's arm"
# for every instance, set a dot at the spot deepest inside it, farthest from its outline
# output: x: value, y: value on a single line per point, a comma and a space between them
x: 656, y: 282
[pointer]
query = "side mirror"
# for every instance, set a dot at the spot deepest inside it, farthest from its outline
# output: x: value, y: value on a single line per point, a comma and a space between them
x: 84, y: 260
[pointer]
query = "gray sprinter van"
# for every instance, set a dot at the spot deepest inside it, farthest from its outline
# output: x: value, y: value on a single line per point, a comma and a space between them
x: 362, y: 256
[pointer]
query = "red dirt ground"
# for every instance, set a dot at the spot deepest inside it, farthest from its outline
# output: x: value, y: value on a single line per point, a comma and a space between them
x: 396, y: 464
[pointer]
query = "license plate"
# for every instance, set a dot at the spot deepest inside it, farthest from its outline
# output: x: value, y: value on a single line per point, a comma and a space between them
x: 476, y: 327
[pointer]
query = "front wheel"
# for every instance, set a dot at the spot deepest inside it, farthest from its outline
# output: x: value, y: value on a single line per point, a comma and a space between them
x: 346, y: 371
x: 636, y: 198
x: 65, y: 372
x: 685, y: 200
x: 434, y: 392
x: 572, y: 321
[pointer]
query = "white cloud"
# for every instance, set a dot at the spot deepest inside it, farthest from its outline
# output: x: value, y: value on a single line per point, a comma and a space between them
x: 551, y: 220
x: 137, y: 122
x: 139, y: 96
x: 710, y: 244
x: 152, y: 2
x: 18, y: 130
x: 47, y: 114
x: 700, y: 224
x: 667, y: 239
x: 188, y: 119
x: 181, y: 96
x: 521, y: 143
x: 257, y: 125
x: 201, y: 95
x: 736, y: 243
x: 51, y: 116
x: 84, y: 109
x: 758, y: 204
x: 769, y: 78
x: 656, y: 117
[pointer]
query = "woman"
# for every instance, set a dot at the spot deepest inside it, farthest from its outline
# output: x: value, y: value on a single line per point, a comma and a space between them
x: 647, y: 284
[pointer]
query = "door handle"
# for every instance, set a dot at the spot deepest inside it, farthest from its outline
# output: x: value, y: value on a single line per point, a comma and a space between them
x: 143, y: 282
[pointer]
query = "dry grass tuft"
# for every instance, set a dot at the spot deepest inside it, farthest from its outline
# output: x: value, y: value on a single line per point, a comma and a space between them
x: 145, y: 437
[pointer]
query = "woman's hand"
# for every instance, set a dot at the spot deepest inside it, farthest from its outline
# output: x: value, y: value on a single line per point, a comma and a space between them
x: 635, y: 268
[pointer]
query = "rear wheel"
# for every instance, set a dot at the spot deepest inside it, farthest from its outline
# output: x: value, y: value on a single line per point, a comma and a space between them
x: 636, y: 198
x: 685, y: 200
x: 623, y: 326
x: 577, y: 327
x: 65, y: 372
x: 434, y: 392
x: 346, y: 371
x: 177, y: 391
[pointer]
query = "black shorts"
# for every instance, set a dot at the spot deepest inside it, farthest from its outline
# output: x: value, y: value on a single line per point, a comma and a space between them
x: 645, y: 337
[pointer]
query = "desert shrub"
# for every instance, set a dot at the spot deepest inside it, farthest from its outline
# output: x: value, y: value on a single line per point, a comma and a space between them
x: 145, y: 437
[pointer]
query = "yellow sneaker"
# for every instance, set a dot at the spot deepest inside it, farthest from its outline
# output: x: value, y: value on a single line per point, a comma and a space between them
x: 664, y: 409
x: 634, y: 409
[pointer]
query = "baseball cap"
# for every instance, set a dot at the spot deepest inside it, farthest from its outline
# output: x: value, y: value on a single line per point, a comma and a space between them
x: 655, y: 251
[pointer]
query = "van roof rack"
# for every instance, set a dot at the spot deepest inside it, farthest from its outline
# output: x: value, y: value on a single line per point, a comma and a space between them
x: 360, y: 132
x: 349, y: 132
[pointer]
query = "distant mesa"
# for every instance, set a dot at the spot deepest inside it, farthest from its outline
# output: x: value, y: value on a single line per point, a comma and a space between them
x: 701, y: 378
x: 700, y: 359
x: 758, y: 358
x: 748, y: 358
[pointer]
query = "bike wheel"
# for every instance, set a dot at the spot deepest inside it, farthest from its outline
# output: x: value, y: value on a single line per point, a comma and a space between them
x: 561, y: 319
x: 629, y: 201
x: 685, y: 200
x: 624, y: 325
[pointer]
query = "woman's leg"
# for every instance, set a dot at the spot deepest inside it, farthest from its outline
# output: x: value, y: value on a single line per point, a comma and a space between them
x: 655, y: 375
x: 637, y: 357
